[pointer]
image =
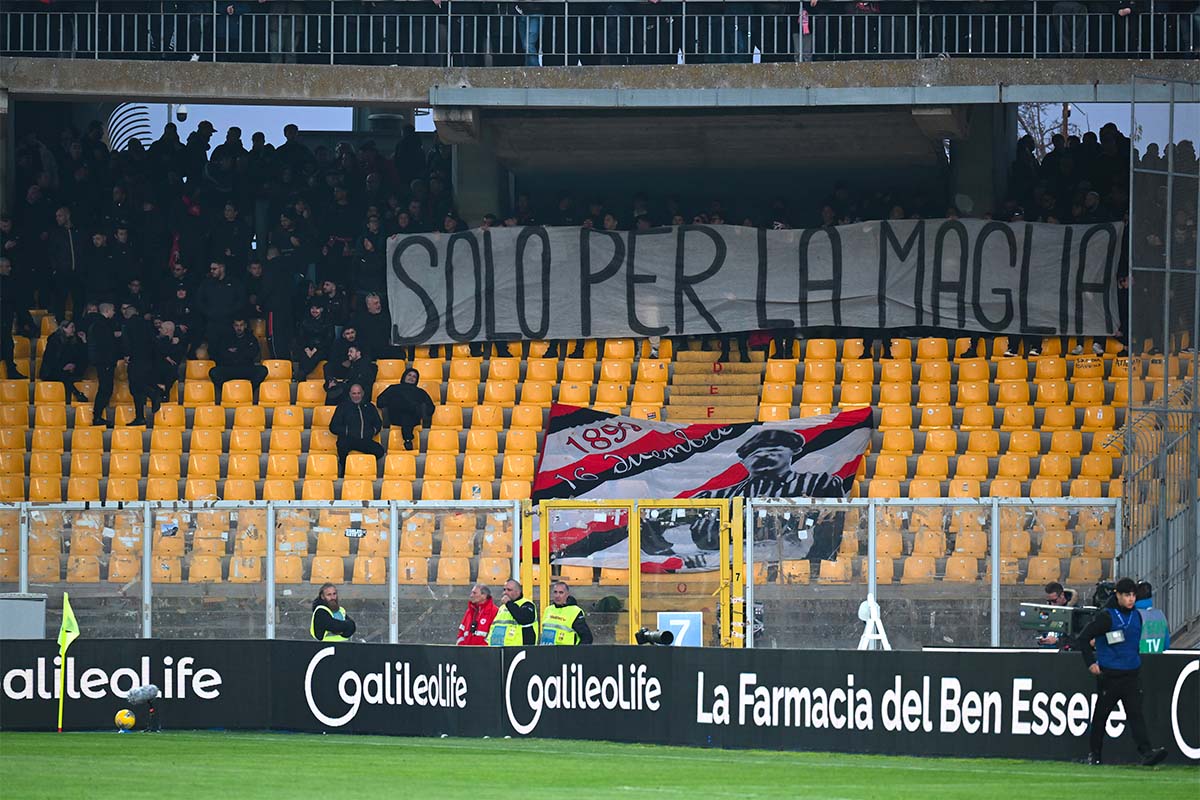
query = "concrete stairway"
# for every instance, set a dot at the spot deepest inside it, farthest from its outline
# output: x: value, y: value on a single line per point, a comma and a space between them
x: 704, y: 389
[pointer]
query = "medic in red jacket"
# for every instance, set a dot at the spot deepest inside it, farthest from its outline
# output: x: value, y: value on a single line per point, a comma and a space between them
x: 473, y: 630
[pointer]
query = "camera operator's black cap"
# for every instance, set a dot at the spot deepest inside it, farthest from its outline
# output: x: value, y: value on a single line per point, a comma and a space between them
x: 1125, y: 586
x: 772, y: 438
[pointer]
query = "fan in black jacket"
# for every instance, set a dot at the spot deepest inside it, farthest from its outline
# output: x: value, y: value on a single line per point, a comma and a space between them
x: 137, y: 342
x: 314, y: 335
x: 355, y: 423
x: 65, y: 359
x: 102, y: 349
x: 407, y: 405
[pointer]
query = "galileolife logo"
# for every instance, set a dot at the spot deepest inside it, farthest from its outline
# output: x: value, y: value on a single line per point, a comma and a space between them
x: 396, y: 683
x: 626, y: 687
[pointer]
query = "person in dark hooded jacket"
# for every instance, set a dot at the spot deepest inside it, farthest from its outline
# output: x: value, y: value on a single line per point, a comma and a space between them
x: 315, y: 334
x: 407, y: 405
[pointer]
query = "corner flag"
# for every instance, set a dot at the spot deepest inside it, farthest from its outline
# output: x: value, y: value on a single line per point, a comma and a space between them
x: 67, y: 633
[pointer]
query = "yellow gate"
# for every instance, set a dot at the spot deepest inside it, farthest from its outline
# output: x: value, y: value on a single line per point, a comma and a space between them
x: 719, y: 520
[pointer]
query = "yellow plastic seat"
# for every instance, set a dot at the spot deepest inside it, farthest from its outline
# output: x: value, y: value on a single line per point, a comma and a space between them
x: 164, y: 465
x: 1043, y: 570
x: 86, y: 465
x: 1085, y: 571
x: 285, y: 441
x: 412, y: 570
x: 500, y: 393
x: 487, y: 417
x: 399, y: 465
x: 649, y: 393
x: 774, y: 413
x: 246, y: 569
x: 785, y: 371
x: 236, y: 394
x: 310, y: 394
x: 479, y: 466
x: 12, y: 462
x: 1098, y: 419
x: 250, y: 418
x: 47, y: 440
x: 933, y: 394
x: 972, y: 393
x: 895, y: 370
x: 617, y: 394
x: 540, y: 393
x: 820, y: 350
x: 1012, y: 369
x: 781, y: 393
x: 121, y: 489
x: 1057, y: 543
x: 933, y: 465
x: 244, y: 466
x: 1096, y: 465
x: 930, y: 349
x: 896, y: 394
x: 1014, y: 465
x: 13, y: 440
x: 321, y: 441
x: 934, y: 418
x: 1049, y: 368
x: 200, y: 488
x: 961, y: 569
x: 466, y: 369
x: 1067, y: 442
x: 16, y: 392
x: 971, y: 466
x: 274, y: 393
x: 362, y: 466
x: 283, y: 466
x: 1026, y: 442
x: 199, y: 392
x: 918, y: 569
x: 542, y: 369
x: 17, y: 416
x: 162, y: 488
x: 1124, y: 396
x: 441, y: 441
x: 1088, y: 393
x: 437, y: 489
x: 899, y: 442
x: 369, y: 570
x: 515, y: 490
x: 447, y: 418
x: 208, y: 417
x: 358, y: 489
x: 526, y: 418
x: 895, y: 418
x: 1012, y: 393
x: 83, y: 489
x: 971, y: 542
x: 857, y: 395
x: 328, y: 569
x: 1051, y: 393
x: 838, y: 571
x: 166, y: 569
x: 204, y: 569
x: 890, y: 466
x: 440, y: 466
x: 972, y: 370
x: 984, y: 442
x: 944, y: 442
x: 51, y: 416
x: 520, y: 441
x: 503, y: 369
x: 289, y: 569
x: 316, y: 488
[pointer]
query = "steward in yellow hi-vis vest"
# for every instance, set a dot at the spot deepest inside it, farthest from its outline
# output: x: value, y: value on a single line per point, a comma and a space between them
x: 516, y: 621
x: 563, y: 620
x: 329, y: 621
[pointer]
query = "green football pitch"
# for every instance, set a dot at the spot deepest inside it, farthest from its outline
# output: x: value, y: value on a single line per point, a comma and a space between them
x: 226, y: 765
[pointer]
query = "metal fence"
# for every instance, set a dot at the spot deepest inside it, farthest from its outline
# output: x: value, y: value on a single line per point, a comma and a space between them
x: 945, y: 572
x: 1162, y: 435
x: 588, y: 32
x: 251, y: 570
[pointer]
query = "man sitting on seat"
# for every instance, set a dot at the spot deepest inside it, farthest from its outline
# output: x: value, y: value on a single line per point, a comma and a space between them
x: 65, y: 360
x: 237, y: 355
x: 355, y: 423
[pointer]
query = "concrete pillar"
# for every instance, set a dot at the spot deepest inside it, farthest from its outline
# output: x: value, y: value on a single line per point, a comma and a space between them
x: 979, y: 162
x: 480, y: 182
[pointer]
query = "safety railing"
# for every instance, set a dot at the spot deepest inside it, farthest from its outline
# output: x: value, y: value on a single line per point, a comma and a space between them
x: 588, y: 32
x: 944, y: 571
x: 251, y: 570
x: 782, y: 573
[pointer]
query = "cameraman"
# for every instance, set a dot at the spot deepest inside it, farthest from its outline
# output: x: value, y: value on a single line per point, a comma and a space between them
x: 1116, y: 664
x: 1056, y: 595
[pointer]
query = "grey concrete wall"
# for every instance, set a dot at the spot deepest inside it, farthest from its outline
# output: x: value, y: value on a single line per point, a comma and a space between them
x: 381, y: 87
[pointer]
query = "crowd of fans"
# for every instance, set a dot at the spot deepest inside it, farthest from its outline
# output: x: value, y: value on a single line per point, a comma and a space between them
x: 200, y: 241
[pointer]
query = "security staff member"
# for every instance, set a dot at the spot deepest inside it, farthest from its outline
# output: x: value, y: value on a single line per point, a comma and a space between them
x: 563, y: 620
x: 516, y: 621
x: 329, y: 620
x: 1116, y: 663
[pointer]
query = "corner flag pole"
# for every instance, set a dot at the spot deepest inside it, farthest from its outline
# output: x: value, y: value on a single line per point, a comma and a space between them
x: 67, y: 633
